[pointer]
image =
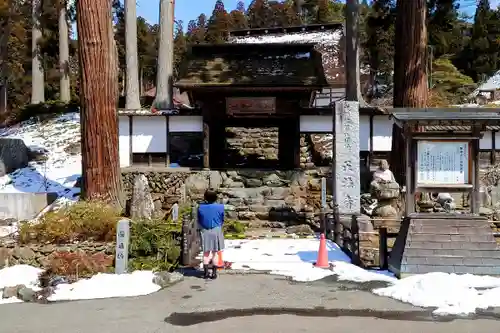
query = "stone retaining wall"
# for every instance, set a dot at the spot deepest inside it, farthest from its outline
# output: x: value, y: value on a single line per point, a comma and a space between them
x: 166, y: 187
x: 251, y: 195
x: 39, y: 255
x: 262, y: 143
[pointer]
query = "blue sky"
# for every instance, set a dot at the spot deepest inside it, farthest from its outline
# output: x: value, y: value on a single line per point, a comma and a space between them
x: 186, y: 10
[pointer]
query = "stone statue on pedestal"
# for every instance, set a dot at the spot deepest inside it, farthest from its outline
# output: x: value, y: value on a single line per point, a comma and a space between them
x: 386, y: 191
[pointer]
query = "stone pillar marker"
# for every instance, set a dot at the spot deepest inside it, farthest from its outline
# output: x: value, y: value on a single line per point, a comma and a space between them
x: 122, y: 244
x: 346, y: 169
x: 323, y: 193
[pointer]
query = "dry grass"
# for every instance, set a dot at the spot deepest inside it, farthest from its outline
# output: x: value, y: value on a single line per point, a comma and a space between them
x: 75, y: 265
x: 84, y: 220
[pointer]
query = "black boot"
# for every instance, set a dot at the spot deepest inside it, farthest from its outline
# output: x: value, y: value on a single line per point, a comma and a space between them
x: 206, y: 273
x: 214, y: 272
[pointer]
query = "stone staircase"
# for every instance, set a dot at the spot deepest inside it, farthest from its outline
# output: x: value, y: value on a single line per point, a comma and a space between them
x: 445, y: 243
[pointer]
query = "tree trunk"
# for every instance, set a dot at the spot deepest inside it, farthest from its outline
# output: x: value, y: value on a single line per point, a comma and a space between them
x: 141, y: 81
x: 410, y: 74
x: 132, y: 100
x: 37, y: 73
x: 99, y: 99
x: 164, y: 76
x: 65, y: 92
x: 353, y: 84
x: 410, y: 65
x: 4, y: 53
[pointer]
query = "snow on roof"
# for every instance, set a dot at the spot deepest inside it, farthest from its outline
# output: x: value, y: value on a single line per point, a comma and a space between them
x: 329, y: 37
x: 327, y: 42
x: 493, y: 83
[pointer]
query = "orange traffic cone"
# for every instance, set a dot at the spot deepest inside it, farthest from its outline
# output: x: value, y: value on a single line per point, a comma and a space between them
x: 220, y: 262
x: 322, y: 261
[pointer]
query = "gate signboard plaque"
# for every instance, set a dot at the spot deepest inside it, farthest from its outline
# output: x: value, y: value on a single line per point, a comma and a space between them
x: 250, y: 105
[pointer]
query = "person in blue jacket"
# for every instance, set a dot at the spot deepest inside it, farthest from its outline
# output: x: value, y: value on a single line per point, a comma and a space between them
x: 210, y: 220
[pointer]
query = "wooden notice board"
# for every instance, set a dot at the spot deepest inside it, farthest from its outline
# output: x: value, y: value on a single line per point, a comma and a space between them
x: 443, y: 162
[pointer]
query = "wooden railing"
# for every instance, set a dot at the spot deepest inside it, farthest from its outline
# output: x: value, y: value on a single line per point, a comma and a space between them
x: 344, y: 231
x: 382, y: 225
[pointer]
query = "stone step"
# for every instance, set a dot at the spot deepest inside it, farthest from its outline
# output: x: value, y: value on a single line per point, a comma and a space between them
x: 451, y: 244
x: 452, y: 230
x: 450, y: 222
x: 409, y: 269
x: 433, y: 245
x: 466, y: 253
x: 443, y: 259
x: 445, y: 238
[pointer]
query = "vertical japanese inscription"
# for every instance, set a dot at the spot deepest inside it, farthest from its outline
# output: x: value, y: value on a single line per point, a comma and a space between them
x: 346, y: 157
x: 122, y: 242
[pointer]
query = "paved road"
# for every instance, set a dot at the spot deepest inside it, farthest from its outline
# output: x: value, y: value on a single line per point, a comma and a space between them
x: 246, y: 304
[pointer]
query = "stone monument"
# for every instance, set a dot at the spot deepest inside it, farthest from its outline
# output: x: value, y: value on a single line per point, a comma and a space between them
x: 142, y: 206
x: 346, y: 163
x: 346, y: 158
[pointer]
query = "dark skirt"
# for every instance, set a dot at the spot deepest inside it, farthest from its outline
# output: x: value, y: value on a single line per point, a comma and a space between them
x: 212, y: 239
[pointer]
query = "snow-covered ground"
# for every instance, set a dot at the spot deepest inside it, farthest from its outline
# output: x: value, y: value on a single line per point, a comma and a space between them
x: 137, y: 283
x: 450, y: 294
x: 59, y: 140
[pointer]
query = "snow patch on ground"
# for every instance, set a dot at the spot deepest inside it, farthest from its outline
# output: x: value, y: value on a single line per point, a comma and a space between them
x: 137, y: 283
x: 450, y: 294
x: 58, y: 139
x: 295, y: 258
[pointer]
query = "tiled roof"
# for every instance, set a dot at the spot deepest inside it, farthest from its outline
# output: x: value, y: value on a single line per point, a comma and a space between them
x: 328, y: 42
x: 252, y: 65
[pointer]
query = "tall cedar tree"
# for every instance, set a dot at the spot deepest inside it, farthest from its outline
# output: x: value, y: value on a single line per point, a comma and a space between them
x: 260, y: 14
x: 238, y: 17
x: 481, y: 60
x: 410, y: 69
x: 444, y: 26
x: 180, y: 46
x: 218, y: 24
x: 380, y: 41
x: 99, y: 98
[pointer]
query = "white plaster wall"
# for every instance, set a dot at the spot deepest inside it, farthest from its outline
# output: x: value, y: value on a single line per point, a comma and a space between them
x: 316, y: 124
x: 382, y: 133
x: 149, y: 134
x: 382, y: 130
x: 364, y: 133
x: 185, y: 124
x: 123, y: 141
x: 485, y: 142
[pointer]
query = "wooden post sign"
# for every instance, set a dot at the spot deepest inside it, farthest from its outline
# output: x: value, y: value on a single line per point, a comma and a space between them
x: 323, y: 192
x: 122, y: 244
x: 323, y: 205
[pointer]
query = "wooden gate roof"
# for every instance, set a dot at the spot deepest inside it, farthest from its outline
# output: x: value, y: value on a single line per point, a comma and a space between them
x: 252, y: 65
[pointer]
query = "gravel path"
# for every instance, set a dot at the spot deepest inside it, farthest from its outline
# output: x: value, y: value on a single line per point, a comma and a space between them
x: 244, y: 303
